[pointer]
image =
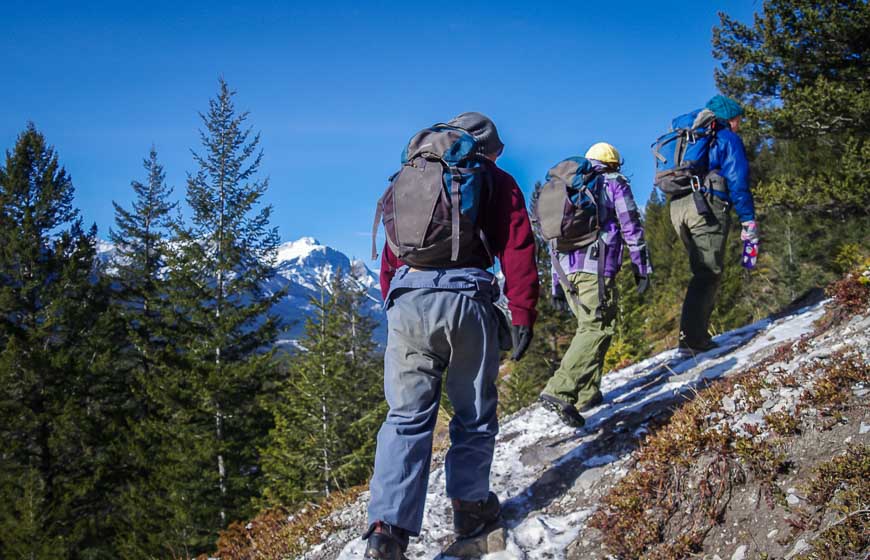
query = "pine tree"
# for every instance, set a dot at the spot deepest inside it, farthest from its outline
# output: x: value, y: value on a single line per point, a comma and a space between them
x: 144, y: 353
x: 329, y: 408
x: 802, y: 67
x: 59, y: 404
x: 223, y: 330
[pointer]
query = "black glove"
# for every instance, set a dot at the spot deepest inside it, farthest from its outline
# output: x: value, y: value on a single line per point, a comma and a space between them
x: 522, y: 337
x: 642, y: 284
x: 559, y: 301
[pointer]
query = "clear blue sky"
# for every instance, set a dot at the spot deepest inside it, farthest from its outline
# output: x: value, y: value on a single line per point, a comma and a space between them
x: 336, y: 89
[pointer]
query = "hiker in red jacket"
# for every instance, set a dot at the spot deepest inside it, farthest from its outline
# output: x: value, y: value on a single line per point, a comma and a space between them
x: 440, y: 318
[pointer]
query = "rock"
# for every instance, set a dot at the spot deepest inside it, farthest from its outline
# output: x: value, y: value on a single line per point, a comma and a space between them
x: 864, y: 428
x: 728, y: 404
x: 772, y: 534
x: 488, y: 543
x: 799, y: 547
x: 740, y: 553
x: 792, y: 500
x: 589, y: 477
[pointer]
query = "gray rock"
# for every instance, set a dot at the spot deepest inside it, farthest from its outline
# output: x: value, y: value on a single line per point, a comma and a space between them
x: 740, y: 553
x: 728, y: 404
x: 799, y: 547
x: 589, y: 477
x: 488, y: 543
x: 792, y: 500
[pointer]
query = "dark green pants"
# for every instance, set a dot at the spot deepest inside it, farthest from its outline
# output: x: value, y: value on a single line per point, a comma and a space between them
x: 578, y: 379
x: 704, y: 238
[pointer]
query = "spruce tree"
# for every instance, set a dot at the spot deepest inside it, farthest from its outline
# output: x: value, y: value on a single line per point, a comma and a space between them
x: 223, y: 331
x: 144, y: 355
x: 59, y: 403
x: 328, y: 410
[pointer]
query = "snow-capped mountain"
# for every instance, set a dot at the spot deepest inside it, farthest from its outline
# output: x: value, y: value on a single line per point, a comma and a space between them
x: 301, y: 267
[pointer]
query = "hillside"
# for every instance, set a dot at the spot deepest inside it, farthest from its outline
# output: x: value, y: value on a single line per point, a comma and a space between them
x: 556, y: 483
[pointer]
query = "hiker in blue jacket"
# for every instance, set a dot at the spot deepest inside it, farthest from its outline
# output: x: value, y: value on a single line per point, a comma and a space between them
x: 726, y: 185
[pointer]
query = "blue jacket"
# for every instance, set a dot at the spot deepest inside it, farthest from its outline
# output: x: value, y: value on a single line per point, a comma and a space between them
x: 728, y: 157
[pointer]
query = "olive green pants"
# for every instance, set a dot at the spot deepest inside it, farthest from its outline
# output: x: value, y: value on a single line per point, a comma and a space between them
x: 578, y: 379
x: 704, y: 238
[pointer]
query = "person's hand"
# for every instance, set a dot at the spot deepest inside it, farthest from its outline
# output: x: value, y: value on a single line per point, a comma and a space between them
x: 559, y: 301
x: 749, y: 231
x: 522, y: 337
x: 642, y: 284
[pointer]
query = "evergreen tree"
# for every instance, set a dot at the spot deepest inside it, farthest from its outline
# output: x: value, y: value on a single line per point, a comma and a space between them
x: 328, y: 410
x: 629, y: 342
x: 59, y: 404
x: 144, y: 355
x: 222, y: 328
x: 802, y: 67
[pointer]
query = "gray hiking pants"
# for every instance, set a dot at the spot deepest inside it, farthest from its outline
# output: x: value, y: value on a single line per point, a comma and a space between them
x: 429, y: 331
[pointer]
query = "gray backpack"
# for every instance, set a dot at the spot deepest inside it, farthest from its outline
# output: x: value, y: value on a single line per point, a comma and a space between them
x: 565, y: 215
x: 432, y: 207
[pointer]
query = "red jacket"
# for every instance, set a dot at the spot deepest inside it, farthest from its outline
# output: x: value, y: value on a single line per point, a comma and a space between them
x: 509, y: 233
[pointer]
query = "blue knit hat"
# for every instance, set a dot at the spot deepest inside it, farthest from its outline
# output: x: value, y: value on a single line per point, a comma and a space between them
x: 724, y: 107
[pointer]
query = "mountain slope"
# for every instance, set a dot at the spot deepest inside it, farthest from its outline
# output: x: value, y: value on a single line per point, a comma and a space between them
x: 551, y: 479
x: 302, y: 266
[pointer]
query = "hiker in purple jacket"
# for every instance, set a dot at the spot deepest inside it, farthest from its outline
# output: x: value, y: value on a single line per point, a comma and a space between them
x: 575, y: 387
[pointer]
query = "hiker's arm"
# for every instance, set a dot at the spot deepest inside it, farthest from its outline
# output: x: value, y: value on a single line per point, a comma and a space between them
x: 735, y: 170
x: 389, y: 265
x: 631, y: 227
x: 514, y: 245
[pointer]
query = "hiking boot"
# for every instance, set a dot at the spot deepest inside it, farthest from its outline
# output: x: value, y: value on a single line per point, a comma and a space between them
x: 565, y: 410
x: 596, y: 399
x: 693, y: 348
x: 471, y: 518
x: 386, y: 542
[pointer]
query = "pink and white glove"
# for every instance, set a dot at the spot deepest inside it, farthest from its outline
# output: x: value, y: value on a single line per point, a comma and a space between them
x: 749, y: 231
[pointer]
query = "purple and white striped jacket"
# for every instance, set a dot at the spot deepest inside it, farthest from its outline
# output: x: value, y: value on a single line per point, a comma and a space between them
x: 619, y: 221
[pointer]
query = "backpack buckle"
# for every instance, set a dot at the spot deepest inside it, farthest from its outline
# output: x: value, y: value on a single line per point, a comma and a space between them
x: 695, y: 183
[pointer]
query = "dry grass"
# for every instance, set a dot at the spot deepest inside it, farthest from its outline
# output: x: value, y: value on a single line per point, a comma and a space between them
x: 275, y: 535
x: 688, y: 469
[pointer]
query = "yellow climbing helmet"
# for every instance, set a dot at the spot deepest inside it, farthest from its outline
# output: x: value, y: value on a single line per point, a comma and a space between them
x: 605, y: 153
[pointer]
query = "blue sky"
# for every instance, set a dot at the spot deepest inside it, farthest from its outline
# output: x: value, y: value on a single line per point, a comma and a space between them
x: 336, y: 89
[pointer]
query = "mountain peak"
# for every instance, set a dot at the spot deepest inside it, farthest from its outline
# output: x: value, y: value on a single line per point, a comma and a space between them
x: 300, y: 248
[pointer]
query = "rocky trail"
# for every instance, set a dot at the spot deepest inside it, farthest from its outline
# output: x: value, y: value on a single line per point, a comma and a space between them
x: 551, y: 478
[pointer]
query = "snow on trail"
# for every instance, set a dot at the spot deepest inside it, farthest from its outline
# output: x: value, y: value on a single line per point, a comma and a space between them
x: 537, y: 458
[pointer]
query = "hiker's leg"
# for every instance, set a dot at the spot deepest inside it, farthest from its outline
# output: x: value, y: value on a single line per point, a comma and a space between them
x: 707, y: 261
x: 471, y: 377
x: 589, y: 388
x: 580, y: 363
x: 699, y: 235
x: 414, y: 362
